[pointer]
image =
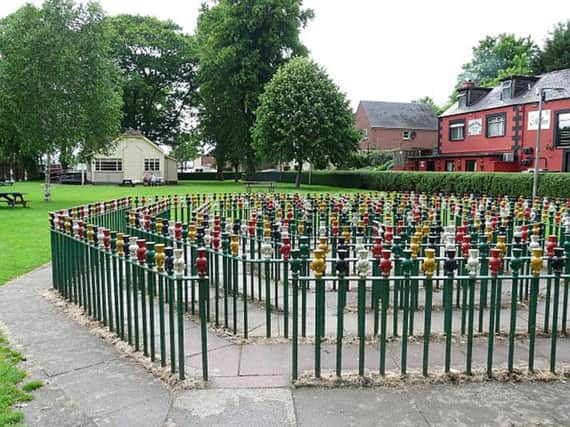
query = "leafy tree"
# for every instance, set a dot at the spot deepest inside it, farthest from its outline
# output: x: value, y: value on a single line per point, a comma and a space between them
x: 158, y: 65
x: 241, y: 45
x: 185, y: 150
x: 303, y: 117
x: 556, y: 52
x: 57, y: 81
x: 495, y: 57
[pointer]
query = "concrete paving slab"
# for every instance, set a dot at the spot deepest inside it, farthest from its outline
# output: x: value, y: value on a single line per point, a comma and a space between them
x: 251, y: 407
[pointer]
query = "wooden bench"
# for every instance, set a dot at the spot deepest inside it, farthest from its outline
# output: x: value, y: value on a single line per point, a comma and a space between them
x: 127, y: 183
x: 13, y: 198
x: 269, y: 185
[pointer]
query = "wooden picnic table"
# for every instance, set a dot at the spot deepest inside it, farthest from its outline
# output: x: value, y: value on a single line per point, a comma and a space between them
x: 269, y: 185
x: 13, y: 198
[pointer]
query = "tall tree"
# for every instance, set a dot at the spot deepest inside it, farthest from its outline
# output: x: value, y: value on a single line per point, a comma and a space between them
x: 241, y: 45
x: 556, y: 52
x: 57, y: 80
x: 158, y: 66
x: 495, y: 57
x: 304, y: 117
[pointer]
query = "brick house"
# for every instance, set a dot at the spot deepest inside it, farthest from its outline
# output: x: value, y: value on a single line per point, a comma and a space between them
x: 398, y: 127
x: 495, y: 129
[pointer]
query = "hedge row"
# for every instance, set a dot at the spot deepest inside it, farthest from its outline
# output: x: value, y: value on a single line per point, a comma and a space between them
x: 495, y: 184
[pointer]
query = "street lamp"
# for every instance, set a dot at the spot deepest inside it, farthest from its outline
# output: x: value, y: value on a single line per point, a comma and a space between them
x: 542, y: 94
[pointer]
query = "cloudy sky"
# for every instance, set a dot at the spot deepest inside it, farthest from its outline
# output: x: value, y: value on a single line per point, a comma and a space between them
x: 380, y: 50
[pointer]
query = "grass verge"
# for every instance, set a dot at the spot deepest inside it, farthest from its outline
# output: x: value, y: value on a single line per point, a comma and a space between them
x: 10, y: 378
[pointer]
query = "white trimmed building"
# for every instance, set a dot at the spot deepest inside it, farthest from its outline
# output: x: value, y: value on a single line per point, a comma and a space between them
x: 133, y: 156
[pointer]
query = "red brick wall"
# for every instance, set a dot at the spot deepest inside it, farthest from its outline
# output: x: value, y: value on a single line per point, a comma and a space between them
x: 391, y: 139
x: 551, y: 156
x: 477, y: 143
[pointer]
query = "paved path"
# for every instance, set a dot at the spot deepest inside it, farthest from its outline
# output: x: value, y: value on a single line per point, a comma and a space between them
x: 90, y: 383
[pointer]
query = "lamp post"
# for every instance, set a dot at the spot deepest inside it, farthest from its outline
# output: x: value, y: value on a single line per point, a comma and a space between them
x: 542, y: 95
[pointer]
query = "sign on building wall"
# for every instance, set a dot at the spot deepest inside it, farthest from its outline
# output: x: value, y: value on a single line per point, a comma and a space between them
x: 475, y: 126
x: 533, y: 120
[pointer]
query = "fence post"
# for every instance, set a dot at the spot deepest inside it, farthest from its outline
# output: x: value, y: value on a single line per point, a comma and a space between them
x: 363, y: 268
x: 285, y: 251
x: 516, y: 264
x: 557, y: 262
x: 295, y: 268
x: 495, y: 264
x: 266, y: 253
x: 428, y: 267
x: 318, y: 267
x: 150, y: 259
x: 342, y: 270
x: 201, y: 267
x: 472, y: 265
x: 536, y: 267
x: 159, y: 259
x: 449, y: 267
x: 169, y: 267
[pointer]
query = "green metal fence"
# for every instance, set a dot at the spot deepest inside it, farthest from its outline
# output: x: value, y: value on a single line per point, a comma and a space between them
x: 380, y: 271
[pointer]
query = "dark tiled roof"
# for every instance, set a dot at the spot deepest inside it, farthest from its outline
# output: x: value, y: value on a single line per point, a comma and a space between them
x: 554, y: 79
x: 400, y: 115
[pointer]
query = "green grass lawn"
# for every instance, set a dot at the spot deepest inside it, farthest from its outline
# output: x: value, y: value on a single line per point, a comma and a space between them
x: 24, y: 238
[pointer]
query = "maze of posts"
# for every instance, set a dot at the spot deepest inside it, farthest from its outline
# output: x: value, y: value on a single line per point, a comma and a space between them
x: 437, y: 282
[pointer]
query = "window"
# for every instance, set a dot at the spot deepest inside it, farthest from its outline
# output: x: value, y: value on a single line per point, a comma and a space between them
x: 462, y: 100
x: 151, y: 165
x: 506, y: 89
x: 562, y: 138
x: 406, y: 135
x: 496, y: 125
x: 364, y: 133
x: 457, y: 130
x: 449, y: 166
x: 108, y: 165
x: 470, y: 165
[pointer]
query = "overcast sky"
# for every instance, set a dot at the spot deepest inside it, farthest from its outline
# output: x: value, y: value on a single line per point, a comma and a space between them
x: 385, y: 50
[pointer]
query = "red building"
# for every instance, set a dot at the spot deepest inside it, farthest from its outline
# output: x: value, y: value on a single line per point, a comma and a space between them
x: 397, y: 127
x: 496, y: 129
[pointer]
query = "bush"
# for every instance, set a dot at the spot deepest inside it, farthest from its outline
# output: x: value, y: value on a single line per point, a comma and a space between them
x: 493, y: 184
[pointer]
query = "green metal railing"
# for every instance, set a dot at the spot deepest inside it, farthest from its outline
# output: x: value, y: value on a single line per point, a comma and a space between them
x: 460, y: 271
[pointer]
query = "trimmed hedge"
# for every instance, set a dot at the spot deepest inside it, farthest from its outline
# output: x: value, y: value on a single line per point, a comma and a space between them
x: 494, y: 184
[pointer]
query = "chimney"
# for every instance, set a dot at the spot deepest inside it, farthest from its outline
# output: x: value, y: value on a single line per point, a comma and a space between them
x: 467, y: 84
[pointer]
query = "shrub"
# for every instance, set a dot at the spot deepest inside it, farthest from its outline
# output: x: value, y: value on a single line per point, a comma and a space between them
x: 493, y: 184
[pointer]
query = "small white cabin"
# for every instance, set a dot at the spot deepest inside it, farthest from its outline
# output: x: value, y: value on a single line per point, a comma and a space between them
x: 133, y: 156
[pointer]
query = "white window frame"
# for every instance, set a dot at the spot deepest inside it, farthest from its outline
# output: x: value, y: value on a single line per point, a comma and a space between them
x: 406, y: 135
x: 152, y: 164
x: 108, y: 165
x: 457, y: 125
x: 496, y: 125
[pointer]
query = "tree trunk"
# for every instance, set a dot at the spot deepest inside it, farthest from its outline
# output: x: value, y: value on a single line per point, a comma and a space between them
x: 298, y: 176
x: 219, y: 170
x: 236, y: 173
x: 250, y: 165
x: 47, y: 182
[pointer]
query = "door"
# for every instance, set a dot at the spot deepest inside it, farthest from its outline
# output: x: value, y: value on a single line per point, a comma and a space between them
x: 471, y: 165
